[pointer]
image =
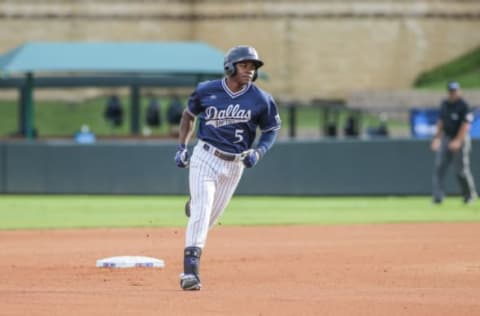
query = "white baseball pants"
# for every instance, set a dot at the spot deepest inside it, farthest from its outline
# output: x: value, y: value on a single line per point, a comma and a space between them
x: 212, y: 182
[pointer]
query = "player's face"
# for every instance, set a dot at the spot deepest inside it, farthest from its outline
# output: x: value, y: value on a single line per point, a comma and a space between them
x: 245, y: 72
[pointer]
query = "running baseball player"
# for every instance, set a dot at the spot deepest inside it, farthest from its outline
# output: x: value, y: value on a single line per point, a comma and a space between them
x: 229, y: 111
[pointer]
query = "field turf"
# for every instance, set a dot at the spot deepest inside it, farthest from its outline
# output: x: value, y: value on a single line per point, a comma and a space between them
x: 41, y: 212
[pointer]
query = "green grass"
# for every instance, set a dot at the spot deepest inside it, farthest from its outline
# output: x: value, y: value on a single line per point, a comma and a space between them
x: 464, y: 69
x: 41, y: 212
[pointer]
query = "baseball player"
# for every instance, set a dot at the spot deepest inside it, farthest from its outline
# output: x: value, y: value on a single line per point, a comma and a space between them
x: 229, y: 111
x: 452, y: 144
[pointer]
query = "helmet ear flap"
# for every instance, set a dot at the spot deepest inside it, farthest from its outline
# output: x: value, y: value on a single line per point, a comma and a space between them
x: 230, y: 69
x: 255, y: 75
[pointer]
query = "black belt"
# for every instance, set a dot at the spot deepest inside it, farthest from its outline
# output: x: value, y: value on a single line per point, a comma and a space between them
x: 219, y: 154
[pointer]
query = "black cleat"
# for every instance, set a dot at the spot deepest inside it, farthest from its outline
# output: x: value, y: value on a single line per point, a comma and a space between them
x: 190, y: 282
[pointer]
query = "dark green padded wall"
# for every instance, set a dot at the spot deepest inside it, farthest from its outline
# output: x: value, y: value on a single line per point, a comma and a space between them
x: 342, y: 167
x: 102, y: 169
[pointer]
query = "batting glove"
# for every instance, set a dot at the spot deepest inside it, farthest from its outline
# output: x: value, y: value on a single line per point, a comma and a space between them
x: 182, y: 158
x: 251, y: 158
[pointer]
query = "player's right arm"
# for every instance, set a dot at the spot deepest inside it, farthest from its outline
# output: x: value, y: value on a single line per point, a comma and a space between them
x: 182, y: 158
x: 187, y: 124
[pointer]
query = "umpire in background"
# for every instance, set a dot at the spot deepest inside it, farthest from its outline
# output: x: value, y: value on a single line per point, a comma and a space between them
x: 452, y: 144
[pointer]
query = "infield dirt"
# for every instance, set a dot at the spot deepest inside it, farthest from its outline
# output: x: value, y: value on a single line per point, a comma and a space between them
x: 397, y: 269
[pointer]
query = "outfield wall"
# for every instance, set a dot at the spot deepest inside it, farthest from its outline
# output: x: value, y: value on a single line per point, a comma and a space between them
x: 345, y: 167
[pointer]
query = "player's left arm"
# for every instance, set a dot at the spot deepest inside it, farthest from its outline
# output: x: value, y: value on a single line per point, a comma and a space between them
x: 269, y: 124
x: 266, y: 141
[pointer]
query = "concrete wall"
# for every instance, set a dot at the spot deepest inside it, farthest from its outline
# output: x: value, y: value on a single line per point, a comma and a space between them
x: 343, y: 167
x: 311, y: 48
x: 109, y: 168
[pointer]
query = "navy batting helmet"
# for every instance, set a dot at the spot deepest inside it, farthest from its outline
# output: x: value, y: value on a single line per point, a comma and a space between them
x: 238, y: 54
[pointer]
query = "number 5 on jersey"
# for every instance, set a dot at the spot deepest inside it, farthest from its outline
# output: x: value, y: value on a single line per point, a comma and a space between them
x: 238, y: 135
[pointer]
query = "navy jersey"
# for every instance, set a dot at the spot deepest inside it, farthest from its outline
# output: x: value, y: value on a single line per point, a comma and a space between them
x: 229, y: 120
x: 453, y: 114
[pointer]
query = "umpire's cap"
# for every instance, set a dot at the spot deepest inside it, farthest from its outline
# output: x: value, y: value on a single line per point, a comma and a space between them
x: 238, y: 54
x: 453, y: 85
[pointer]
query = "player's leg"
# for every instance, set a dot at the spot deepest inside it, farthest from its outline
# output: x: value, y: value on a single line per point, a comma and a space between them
x: 227, y: 184
x: 190, y: 278
x: 464, y: 175
x: 202, y: 183
x: 443, y: 158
